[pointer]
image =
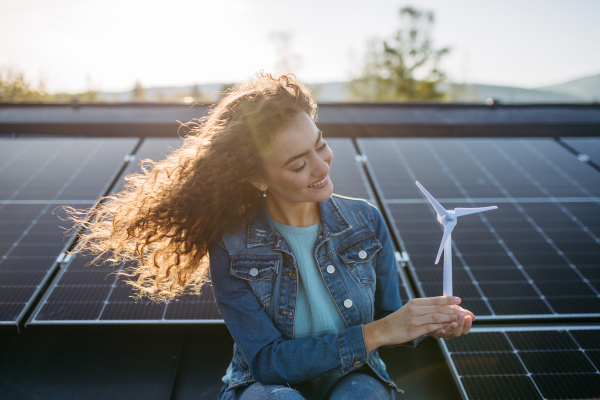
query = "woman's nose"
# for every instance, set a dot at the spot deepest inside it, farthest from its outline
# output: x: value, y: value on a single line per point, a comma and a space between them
x: 324, y: 165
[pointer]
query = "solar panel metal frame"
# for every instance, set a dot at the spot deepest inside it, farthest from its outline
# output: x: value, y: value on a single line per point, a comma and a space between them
x: 579, y: 145
x: 404, y: 282
x: 477, y: 329
x: 336, y: 142
x: 42, y: 285
x: 467, y: 202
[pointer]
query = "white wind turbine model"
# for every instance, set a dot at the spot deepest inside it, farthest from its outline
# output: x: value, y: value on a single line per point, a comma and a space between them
x: 448, y: 220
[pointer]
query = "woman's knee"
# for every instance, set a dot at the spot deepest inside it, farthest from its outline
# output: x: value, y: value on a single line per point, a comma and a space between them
x: 258, y: 391
x: 362, y: 384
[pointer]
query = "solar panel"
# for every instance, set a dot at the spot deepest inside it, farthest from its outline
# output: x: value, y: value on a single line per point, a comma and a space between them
x: 95, y: 295
x: 526, y: 362
x: 347, y: 173
x: 36, y: 176
x: 153, y: 148
x: 59, y: 169
x: 536, y: 256
x: 587, y: 147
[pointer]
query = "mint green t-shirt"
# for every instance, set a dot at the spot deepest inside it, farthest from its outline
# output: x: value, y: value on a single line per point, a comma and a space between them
x: 316, y: 312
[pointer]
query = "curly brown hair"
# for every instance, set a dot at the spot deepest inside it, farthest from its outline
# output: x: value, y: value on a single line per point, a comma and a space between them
x: 164, y: 218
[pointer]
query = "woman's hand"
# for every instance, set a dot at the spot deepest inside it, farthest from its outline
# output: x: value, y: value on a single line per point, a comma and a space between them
x: 455, y: 329
x: 426, y: 316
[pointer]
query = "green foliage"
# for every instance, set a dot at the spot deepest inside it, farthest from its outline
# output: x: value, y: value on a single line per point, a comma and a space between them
x: 199, y: 96
x: 139, y: 93
x: 14, y: 87
x: 391, y: 65
x: 225, y: 89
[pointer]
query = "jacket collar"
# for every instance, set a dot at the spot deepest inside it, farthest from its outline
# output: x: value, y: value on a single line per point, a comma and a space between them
x: 261, y: 230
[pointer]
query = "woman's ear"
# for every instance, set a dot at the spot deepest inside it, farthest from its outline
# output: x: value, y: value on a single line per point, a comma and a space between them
x: 259, y: 185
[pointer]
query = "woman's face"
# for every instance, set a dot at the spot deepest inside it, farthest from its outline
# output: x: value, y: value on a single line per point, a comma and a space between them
x: 301, y: 159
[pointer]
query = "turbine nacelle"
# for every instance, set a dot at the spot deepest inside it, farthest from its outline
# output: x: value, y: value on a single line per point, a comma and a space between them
x: 450, y: 216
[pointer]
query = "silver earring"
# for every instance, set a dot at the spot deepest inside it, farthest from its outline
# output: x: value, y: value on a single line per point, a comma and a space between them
x: 265, y: 193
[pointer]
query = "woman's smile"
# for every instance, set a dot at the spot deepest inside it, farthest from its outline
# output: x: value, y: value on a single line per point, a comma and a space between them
x: 320, y: 184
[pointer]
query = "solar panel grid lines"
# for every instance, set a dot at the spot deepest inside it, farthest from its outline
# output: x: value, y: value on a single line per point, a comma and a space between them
x: 551, y: 362
x: 95, y: 294
x: 91, y: 295
x: 153, y: 148
x: 18, y: 188
x: 500, y: 242
x: 60, y: 169
x: 85, y: 294
x: 347, y: 174
x: 478, y: 308
x: 551, y: 165
x: 36, y: 176
x: 586, y: 177
x: 537, y: 227
x: 534, y: 257
x: 587, y: 148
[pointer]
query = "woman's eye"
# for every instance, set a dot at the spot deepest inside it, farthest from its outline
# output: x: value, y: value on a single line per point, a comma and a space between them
x: 300, y: 169
x: 324, y: 145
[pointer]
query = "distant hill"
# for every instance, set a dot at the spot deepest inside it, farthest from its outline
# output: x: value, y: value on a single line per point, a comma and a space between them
x: 327, y: 92
x: 583, y: 90
x: 478, y: 93
x: 168, y: 93
x: 588, y: 88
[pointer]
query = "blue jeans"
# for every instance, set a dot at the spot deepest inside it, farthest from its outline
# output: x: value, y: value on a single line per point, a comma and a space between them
x: 359, y: 384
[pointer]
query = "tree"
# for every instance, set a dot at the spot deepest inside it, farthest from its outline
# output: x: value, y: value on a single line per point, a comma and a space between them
x: 391, y: 66
x: 160, y: 96
x: 224, y: 90
x: 14, y: 87
x: 139, y: 93
x: 198, y: 95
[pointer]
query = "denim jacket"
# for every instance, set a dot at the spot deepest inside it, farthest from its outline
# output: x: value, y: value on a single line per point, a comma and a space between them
x: 255, y: 281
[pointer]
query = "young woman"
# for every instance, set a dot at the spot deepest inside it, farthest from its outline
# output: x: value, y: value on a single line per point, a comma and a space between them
x: 305, y: 279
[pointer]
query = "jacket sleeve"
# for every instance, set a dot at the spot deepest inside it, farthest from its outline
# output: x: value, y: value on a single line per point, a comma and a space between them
x: 387, y: 293
x: 271, y: 358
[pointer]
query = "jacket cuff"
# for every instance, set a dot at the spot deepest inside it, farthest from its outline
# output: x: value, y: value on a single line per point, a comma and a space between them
x: 353, y: 350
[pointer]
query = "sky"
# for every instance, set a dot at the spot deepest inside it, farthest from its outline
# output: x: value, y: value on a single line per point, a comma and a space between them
x: 77, y: 45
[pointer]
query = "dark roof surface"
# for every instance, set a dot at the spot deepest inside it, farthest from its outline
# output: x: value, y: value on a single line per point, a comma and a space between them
x: 346, y: 120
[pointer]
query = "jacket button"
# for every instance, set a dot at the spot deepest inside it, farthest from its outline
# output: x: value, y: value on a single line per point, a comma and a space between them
x: 347, y: 303
x: 362, y: 254
x: 253, y: 272
x: 356, y: 364
x: 330, y: 269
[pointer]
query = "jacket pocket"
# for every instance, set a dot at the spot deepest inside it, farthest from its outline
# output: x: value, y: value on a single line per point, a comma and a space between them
x: 260, y: 274
x: 359, y: 258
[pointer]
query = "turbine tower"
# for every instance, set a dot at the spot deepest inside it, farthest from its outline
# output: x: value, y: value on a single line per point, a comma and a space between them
x: 448, y: 220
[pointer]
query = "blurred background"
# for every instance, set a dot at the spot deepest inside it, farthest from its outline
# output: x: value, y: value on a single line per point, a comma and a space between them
x: 185, y: 51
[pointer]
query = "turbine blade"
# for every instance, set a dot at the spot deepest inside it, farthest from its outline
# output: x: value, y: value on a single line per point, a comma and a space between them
x: 459, y: 212
x: 447, y: 231
x: 441, y: 211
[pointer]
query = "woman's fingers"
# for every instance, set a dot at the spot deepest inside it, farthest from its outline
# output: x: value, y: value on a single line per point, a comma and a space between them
x: 434, y: 318
x: 468, y: 324
x: 459, y: 328
x: 433, y: 328
x: 466, y: 311
x: 439, y: 300
x: 439, y: 310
